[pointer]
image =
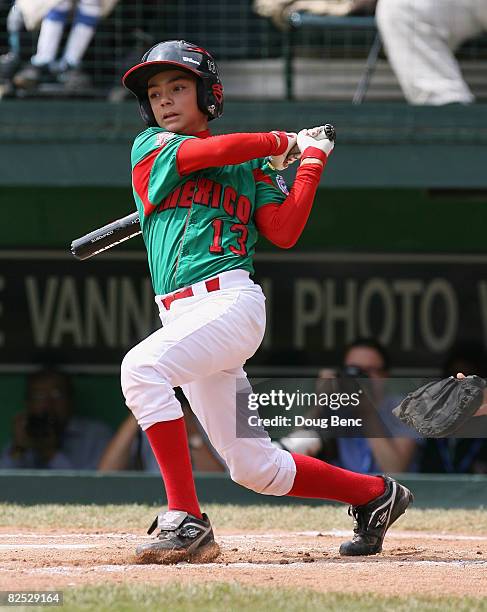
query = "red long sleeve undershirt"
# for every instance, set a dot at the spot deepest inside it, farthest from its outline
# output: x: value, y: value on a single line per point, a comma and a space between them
x: 230, y: 149
x: 283, y: 223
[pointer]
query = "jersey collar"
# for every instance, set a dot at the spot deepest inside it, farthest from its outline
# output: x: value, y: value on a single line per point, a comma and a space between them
x: 203, y: 134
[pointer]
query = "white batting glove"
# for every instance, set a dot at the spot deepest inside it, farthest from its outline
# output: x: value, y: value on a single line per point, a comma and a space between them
x: 315, y: 137
x: 281, y: 162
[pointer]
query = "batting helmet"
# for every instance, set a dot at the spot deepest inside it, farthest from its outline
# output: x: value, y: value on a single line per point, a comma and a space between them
x: 183, y: 55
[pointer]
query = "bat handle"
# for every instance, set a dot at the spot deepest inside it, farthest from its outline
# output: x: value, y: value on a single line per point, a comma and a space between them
x: 328, y: 132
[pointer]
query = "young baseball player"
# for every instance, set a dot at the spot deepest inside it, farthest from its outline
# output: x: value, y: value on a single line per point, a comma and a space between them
x: 202, y: 201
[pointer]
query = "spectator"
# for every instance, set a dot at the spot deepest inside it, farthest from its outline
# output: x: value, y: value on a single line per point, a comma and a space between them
x: 47, y: 435
x: 366, y: 358
x: 9, y: 62
x: 468, y: 454
x: 129, y: 448
x: 43, y: 64
x: 387, y: 454
x: 280, y: 10
x: 421, y: 37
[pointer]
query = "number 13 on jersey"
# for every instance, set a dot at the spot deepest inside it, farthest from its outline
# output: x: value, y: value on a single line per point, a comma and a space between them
x: 241, y: 233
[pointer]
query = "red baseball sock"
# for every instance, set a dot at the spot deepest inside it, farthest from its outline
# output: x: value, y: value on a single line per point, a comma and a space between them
x: 169, y: 443
x: 315, y: 478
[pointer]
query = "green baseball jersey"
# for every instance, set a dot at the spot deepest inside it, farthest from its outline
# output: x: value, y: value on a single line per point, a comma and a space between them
x: 198, y: 225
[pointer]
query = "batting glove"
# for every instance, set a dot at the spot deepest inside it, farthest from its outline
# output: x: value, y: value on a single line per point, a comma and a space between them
x: 281, y: 162
x: 315, y: 137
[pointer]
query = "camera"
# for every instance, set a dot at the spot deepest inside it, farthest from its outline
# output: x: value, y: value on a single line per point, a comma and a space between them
x: 352, y: 371
x: 42, y: 425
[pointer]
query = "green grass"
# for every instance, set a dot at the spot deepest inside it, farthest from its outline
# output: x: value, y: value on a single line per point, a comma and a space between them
x: 221, y: 597
x: 227, y: 597
x: 227, y: 516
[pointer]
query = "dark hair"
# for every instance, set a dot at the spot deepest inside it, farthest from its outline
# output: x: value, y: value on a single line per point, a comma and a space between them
x: 51, y: 372
x: 370, y: 343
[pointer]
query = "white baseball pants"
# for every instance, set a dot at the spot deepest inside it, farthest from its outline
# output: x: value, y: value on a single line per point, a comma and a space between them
x: 202, y: 346
x: 420, y: 38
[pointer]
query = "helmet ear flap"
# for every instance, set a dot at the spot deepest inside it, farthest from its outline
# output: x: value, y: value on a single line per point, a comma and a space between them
x: 206, y: 99
x: 201, y: 95
x: 147, y: 114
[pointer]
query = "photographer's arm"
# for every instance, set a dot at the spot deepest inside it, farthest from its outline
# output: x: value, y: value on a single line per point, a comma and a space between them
x: 21, y: 441
x: 393, y: 454
x: 117, y: 454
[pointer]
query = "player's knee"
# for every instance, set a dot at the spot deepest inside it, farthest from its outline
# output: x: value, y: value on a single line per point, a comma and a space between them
x: 128, y: 370
x: 135, y: 377
x: 148, y: 392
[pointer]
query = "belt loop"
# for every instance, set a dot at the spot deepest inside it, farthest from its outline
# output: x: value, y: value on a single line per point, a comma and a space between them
x: 213, y: 284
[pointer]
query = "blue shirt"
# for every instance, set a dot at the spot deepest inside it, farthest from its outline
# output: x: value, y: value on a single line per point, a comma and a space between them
x: 355, y: 454
x: 83, y: 443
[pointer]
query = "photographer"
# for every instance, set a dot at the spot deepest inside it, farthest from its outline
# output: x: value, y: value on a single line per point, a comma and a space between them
x: 47, y: 435
x: 363, y: 359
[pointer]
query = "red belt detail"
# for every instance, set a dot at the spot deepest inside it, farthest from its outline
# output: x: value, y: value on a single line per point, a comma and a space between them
x: 211, y: 285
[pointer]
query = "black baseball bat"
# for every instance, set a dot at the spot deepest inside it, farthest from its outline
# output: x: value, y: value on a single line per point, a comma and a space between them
x: 106, y: 237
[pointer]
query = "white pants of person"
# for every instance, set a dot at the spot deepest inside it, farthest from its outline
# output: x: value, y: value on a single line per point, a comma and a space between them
x: 202, y: 346
x: 420, y: 38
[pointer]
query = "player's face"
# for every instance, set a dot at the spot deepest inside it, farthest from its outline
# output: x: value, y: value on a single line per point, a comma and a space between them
x: 172, y: 96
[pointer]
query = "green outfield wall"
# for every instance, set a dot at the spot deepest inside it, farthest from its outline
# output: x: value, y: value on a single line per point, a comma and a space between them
x: 378, y: 145
x: 27, y: 487
x: 387, y: 219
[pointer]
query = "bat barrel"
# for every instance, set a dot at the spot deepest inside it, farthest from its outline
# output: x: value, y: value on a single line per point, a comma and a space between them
x: 106, y: 237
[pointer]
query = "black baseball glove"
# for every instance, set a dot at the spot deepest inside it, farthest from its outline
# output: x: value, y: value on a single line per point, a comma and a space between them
x: 441, y: 407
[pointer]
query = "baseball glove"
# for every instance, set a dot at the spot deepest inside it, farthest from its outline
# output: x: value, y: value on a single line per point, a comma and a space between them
x: 440, y: 408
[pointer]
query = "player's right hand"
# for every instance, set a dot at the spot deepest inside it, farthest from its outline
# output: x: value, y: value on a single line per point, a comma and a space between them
x: 313, y: 137
x: 280, y: 162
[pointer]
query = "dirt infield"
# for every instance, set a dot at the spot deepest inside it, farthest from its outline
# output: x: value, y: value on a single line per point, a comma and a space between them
x: 411, y: 563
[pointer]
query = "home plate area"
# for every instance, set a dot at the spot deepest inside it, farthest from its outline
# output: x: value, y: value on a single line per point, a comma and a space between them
x: 411, y: 563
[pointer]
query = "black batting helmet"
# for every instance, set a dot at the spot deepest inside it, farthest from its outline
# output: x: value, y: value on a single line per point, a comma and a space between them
x: 179, y: 54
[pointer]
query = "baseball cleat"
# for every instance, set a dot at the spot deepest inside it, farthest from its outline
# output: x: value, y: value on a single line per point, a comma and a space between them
x: 181, y: 537
x: 372, y: 520
x: 74, y: 80
x: 9, y: 62
x: 30, y: 76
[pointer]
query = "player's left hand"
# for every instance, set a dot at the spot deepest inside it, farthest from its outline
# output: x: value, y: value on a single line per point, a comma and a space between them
x: 319, y: 137
x: 281, y: 162
x: 482, y: 411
